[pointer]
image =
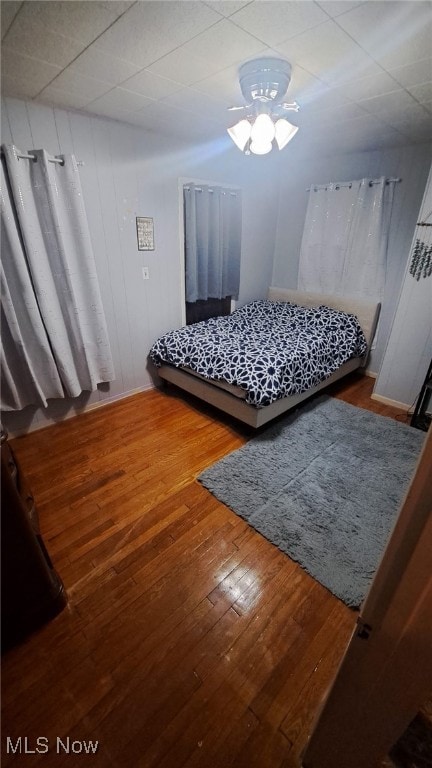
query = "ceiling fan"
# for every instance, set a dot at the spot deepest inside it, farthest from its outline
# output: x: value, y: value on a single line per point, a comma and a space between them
x: 263, y: 82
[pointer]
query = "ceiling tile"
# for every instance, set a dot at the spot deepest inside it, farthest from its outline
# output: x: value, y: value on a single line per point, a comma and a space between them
x: 200, y: 135
x: 224, y: 86
x: 199, y: 103
x: 165, y: 118
x: 305, y: 88
x: 172, y: 66
x: 113, y: 112
x: 336, y: 7
x: 376, y: 138
x: 224, y: 44
x: 367, y: 87
x: 98, y: 64
x: 394, y: 33
x: 151, y: 85
x: 197, y: 125
x: 147, y: 31
x: 19, y: 89
x: 409, y: 51
x: 387, y: 137
x: 415, y: 123
x: 148, y: 122
x: 39, y: 42
x: 413, y: 74
x: 358, y: 130
x: 137, y: 118
x: 185, y: 67
x: 83, y: 21
x: 227, y: 7
x: 330, y: 54
x: 389, y: 103
x: 322, y: 98
x: 355, y: 135
x: 157, y: 110
x: 87, y: 87
x: 116, y: 7
x: 332, y: 115
x: 160, y: 112
x: 419, y: 136
x: 422, y: 93
x: 34, y: 74
x: 64, y: 99
x: 120, y: 98
x: 8, y: 11
x: 274, y: 22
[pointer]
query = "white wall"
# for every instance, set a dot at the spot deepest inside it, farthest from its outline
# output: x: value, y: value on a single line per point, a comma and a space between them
x: 409, y: 349
x: 410, y: 163
x: 129, y: 172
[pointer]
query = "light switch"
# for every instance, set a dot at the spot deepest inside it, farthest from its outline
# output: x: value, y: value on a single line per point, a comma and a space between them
x: 146, y: 273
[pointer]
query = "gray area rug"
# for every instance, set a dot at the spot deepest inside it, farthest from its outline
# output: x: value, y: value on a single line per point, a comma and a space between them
x: 324, y: 485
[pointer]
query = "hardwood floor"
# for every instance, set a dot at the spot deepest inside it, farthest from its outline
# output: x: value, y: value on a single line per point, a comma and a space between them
x: 188, y: 639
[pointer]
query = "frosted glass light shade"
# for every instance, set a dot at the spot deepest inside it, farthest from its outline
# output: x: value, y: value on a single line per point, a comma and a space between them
x: 284, y: 132
x: 261, y: 133
x: 263, y: 129
x: 260, y: 147
x: 240, y: 133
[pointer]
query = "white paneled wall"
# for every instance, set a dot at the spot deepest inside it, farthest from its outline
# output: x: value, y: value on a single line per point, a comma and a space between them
x: 129, y: 172
x: 411, y: 164
x: 409, y: 349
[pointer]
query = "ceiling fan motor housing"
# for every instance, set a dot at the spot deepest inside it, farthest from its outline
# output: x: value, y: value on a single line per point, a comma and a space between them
x: 264, y: 79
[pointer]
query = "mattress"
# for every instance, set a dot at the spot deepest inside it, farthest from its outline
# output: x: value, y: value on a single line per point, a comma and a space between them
x: 267, y: 349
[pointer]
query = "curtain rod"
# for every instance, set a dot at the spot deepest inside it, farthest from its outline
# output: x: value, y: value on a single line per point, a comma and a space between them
x: 223, y: 192
x: 337, y: 185
x: 50, y: 159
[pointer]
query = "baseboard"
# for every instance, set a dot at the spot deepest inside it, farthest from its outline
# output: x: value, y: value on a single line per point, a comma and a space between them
x: 113, y: 399
x: 371, y: 374
x: 85, y: 409
x: 388, y: 401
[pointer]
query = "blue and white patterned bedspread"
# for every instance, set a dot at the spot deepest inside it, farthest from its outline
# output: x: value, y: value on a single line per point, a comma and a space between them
x: 269, y: 349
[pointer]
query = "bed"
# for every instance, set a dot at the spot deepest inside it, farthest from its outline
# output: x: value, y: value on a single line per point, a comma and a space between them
x: 348, y: 324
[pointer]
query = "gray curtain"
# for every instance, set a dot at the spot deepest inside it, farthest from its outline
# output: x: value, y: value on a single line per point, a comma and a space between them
x: 54, y: 335
x: 212, y: 219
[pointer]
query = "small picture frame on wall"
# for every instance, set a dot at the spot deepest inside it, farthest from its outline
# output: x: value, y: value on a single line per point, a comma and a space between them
x: 145, y: 233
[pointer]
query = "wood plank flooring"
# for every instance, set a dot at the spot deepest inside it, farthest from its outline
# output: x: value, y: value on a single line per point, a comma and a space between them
x: 188, y: 639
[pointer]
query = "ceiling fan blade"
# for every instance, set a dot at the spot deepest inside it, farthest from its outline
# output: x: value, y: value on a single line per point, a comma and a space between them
x: 234, y: 109
x: 293, y: 107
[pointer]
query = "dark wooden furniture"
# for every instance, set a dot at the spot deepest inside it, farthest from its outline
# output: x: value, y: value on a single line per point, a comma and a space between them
x: 421, y: 417
x: 31, y: 590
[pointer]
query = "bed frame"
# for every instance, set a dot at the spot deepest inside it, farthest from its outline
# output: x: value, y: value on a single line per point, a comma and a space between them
x: 231, y: 399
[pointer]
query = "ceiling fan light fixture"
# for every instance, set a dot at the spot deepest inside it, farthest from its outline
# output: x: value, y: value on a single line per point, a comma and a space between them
x: 264, y: 79
x: 284, y: 132
x: 240, y: 133
x: 264, y: 83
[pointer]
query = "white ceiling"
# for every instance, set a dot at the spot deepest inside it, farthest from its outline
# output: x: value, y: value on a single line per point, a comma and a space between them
x: 362, y: 71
